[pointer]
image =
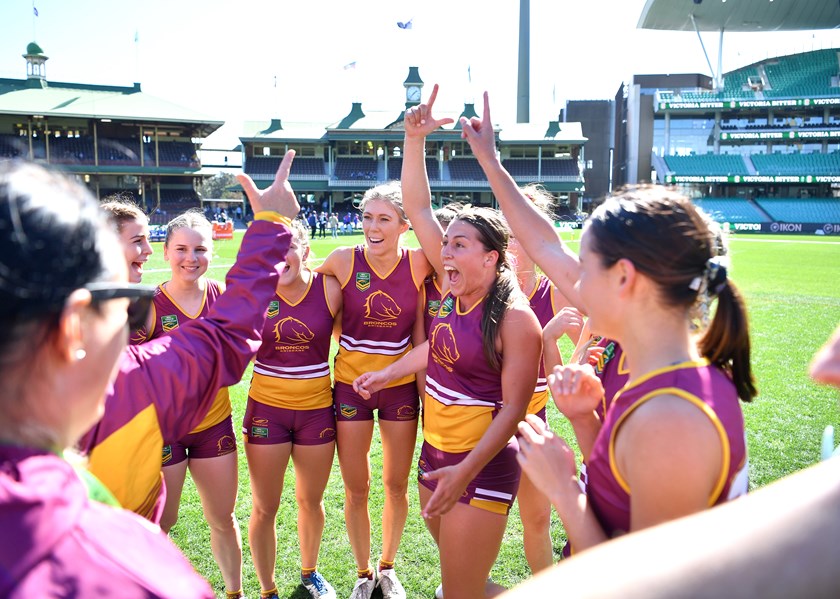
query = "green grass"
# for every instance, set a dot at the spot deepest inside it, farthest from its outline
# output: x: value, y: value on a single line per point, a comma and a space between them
x: 792, y: 288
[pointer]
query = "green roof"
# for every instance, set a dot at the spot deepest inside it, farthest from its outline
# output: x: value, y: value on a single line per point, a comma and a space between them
x: 33, y: 48
x: 95, y: 102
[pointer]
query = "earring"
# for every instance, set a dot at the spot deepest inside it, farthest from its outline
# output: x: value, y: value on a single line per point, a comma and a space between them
x: 80, y: 354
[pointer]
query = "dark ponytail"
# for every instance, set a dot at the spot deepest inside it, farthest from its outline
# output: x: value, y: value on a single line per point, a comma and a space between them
x: 726, y: 342
x: 676, y: 245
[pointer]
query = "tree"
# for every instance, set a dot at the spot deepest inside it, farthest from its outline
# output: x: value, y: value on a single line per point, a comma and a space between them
x: 218, y: 187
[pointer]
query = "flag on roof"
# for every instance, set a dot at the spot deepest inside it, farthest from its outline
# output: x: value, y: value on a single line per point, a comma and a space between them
x: 406, y: 25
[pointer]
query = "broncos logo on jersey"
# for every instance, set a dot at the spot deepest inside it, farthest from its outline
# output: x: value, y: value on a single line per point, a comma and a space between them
x: 444, y: 349
x: 381, y: 306
x: 291, y: 331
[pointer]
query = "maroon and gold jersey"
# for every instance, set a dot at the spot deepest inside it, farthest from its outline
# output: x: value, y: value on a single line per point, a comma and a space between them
x: 542, y: 304
x: 706, y: 387
x: 167, y: 316
x: 463, y: 392
x: 431, y: 302
x: 378, y: 315
x: 612, y: 371
x: 292, y: 368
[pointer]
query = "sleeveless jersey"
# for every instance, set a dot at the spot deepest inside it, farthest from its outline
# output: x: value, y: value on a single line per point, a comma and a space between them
x: 542, y: 304
x: 431, y: 302
x: 292, y: 367
x: 612, y: 371
x: 705, y: 386
x: 167, y: 316
x: 463, y: 393
x: 377, y: 317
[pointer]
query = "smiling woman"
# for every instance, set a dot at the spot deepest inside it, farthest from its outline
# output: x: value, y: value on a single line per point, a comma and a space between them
x: 380, y: 284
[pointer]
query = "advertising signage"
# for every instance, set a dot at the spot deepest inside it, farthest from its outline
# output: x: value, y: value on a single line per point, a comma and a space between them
x: 809, y: 179
x: 735, y: 104
x: 770, y: 135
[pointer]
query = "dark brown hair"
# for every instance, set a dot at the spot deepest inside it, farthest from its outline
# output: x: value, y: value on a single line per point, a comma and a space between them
x: 668, y: 240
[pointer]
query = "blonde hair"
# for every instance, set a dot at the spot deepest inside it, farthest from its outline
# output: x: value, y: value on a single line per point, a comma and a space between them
x: 191, y: 219
x: 390, y: 192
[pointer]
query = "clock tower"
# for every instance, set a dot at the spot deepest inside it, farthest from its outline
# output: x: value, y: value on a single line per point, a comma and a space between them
x: 413, y: 87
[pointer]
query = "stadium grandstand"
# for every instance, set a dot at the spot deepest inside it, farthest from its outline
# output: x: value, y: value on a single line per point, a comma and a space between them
x: 337, y: 161
x: 759, y: 146
x: 117, y: 140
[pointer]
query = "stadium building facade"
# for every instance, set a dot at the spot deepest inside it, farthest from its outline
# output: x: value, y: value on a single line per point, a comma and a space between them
x: 760, y: 151
x: 336, y: 162
x: 114, y: 139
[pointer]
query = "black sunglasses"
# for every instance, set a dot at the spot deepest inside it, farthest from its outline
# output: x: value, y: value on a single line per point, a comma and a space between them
x: 140, y: 296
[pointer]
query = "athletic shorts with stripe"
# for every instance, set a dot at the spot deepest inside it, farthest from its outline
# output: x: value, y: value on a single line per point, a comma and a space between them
x: 270, y: 425
x: 400, y: 403
x: 495, y: 487
x: 213, y: 442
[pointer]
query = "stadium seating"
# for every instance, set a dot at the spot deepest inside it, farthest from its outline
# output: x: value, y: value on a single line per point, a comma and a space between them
x: 72, y: 150
x: 802, y: 75
x: 812, y: 210
x: 466, y: 169
x: 173, y: 153
x: 797, y: 164
x: 395, y: 168
x: 268, y: 165
x: 13, y: 146
x: 119, y: 151
x: 706, y: 164
x: 355, y: 168
x: 732, y: 210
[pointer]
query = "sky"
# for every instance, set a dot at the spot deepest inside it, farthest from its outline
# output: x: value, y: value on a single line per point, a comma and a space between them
x: 261, y: 59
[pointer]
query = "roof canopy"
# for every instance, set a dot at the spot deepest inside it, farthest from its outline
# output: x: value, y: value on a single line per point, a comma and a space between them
x: 740, y: 15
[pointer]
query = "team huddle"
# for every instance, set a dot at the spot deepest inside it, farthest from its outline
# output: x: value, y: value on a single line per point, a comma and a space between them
x: 460, y: 335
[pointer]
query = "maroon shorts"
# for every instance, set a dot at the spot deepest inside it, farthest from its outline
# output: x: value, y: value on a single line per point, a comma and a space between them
x: 270, y: 425
x: 213, y: 442
x: 495, y: 487
x: 394, y: 403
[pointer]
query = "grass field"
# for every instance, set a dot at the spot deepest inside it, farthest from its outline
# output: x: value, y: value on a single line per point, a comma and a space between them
x: 792, y: 288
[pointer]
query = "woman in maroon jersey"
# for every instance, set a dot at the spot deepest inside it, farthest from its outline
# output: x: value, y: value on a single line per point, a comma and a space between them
x: 209, y: 450
x: 380, y: 284
x: 674, y: 436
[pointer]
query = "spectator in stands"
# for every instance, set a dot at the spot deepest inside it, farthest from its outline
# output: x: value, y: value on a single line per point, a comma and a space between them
x: 64, y: 304
x: 133, y: 228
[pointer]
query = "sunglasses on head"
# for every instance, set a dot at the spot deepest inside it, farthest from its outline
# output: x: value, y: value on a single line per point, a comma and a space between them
x: 140, y: 297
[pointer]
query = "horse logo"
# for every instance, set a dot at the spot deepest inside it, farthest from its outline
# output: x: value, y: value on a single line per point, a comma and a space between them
x: 444, y: 348
x: 381, y: 306
x: 291, y: 331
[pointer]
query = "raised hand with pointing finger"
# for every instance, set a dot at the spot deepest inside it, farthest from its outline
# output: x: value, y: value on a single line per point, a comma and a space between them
x: 419, y: 121
x: 279, y: 196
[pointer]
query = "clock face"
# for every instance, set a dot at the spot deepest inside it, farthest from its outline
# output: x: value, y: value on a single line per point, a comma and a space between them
x: 413, y: 94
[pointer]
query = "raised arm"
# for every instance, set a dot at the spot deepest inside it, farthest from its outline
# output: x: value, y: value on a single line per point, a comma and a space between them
x: 183, y: 372
x: 529, y: 226
x: 417, y: 196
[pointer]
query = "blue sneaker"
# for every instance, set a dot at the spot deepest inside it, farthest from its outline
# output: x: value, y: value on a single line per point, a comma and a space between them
x: 318, y: 586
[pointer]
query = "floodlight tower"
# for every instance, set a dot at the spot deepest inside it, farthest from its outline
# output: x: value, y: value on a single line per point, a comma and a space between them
x: 523, y: 99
